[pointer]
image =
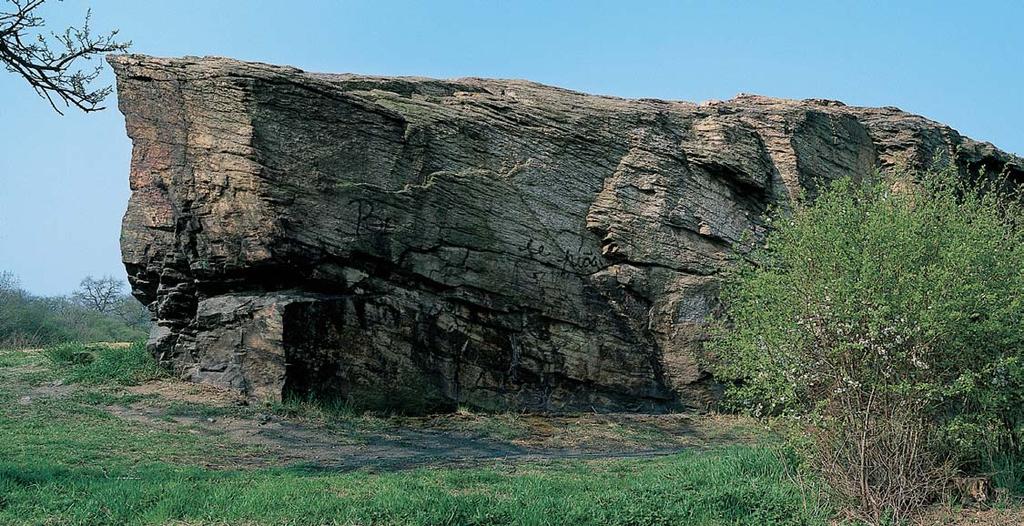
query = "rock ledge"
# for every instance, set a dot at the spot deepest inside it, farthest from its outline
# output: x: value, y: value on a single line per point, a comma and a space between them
x: 421, y: 244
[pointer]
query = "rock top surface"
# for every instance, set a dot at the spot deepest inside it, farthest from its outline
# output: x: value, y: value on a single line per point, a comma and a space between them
x: 423, y: 244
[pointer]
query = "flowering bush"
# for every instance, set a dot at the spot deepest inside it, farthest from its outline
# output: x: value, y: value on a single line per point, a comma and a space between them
x: 903, y: 297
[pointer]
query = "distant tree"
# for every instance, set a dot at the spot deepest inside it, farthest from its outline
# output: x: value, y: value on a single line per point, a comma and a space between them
x: 132, y: 312
x: 101, y: 295
x: 49, y: 61
x: 8, y: 282
x: 28, y: 321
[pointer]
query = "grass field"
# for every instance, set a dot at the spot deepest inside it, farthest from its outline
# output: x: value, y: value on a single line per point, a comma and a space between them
x: 66, y: 459
x: 68, y: 455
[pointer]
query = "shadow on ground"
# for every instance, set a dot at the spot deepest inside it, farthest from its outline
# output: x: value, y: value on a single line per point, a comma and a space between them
x: 372, y: 442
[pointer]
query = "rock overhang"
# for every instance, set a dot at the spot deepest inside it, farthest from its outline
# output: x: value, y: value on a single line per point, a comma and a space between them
x: 425, y: 243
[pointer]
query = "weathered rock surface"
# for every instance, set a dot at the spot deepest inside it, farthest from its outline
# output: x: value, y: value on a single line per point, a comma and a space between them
x: 426, y: 243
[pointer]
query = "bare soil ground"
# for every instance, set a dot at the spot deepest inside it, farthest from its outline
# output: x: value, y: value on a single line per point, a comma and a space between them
x: 317, y: 438
x: 385, y: 443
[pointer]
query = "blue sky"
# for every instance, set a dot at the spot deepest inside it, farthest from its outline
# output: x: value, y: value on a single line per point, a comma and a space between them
x: 64, y: 180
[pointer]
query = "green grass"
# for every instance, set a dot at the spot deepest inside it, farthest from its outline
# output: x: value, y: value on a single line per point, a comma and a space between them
x: 729, y: 486
x: 1008, y: 473
x: 194, y: 410
x: 98, y: 364
x: 15, y: 358
x: 65, y: 460
x: 506, y: 426
x: 313, y: 407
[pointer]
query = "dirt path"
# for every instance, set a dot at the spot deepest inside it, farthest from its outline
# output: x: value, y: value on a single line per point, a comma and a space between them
x: 325, y: 447
x: 396, y: 443
x: 312, y: 438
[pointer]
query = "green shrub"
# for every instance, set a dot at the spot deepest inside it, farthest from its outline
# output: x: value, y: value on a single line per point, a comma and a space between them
x: 898, y: 298
x: 28, y: 321
x: 105, y: 364
x: 68, y: 354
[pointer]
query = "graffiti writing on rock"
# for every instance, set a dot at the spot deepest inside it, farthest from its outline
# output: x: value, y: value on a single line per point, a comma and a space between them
x: 580, y: 261
x: 534, y: 248
x: 567, y: 261
x: 526, y: 274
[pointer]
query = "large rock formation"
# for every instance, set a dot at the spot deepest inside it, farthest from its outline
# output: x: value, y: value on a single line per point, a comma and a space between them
x: 426, y: 243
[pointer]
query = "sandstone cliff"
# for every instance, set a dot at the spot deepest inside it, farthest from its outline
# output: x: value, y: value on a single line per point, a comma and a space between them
x: 425, y: 243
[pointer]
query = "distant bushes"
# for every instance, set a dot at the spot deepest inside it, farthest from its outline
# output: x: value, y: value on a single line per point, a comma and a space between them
x: 886, y: 319
x: 33, y: 321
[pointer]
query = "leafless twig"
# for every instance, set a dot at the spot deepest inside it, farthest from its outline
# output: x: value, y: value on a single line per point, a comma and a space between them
x: 48, y: 61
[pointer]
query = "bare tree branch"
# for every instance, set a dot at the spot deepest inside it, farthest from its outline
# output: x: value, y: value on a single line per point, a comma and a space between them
x: 100, y: 295
x: 47, y: 60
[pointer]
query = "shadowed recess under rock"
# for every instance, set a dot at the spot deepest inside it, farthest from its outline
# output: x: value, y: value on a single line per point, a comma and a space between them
x: 421, y: 244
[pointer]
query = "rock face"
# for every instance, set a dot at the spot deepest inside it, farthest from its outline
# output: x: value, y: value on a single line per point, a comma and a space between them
x: 423, y: 243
